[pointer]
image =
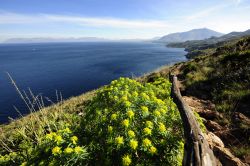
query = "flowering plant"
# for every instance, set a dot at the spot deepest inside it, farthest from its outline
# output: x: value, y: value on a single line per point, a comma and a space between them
x: 133, y: 123
x: 55, y: 148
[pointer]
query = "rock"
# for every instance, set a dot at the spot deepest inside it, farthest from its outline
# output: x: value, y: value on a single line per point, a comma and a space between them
x: 210, y: 115
x: 247, y: 159
x: 233, y: 136
x: 226, y: 157
x: 214, y: 140
x: 240, y: 118
x: 213, y: 126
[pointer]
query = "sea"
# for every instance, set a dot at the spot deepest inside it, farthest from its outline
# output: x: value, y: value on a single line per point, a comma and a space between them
x: 70, y: 69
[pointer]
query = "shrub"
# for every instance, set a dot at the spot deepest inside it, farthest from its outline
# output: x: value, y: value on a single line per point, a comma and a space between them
x: 130, y: 123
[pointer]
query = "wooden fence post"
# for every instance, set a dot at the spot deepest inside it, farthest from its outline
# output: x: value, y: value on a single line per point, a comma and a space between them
x: 196, y: 149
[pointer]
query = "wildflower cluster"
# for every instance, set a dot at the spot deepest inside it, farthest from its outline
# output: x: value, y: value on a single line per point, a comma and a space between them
x: 55, y: 148
x: 133, y: 123
x: 61, y: 147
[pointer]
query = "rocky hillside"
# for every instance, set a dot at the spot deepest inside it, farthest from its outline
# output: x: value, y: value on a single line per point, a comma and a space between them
x: 217, y: 86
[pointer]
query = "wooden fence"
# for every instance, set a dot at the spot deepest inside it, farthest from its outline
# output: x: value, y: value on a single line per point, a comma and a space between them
x: 196, y: 149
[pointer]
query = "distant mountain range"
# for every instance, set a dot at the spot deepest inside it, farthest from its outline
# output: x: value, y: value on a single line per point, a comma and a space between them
x: 202, y: 35
x: 206, y: 46
x: 46, y: 40
x: 59, y: 40
x: 194, y: 34
x: 210, y: 42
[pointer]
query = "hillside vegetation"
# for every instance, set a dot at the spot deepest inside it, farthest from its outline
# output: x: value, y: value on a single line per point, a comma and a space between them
x: 133, y: 122
x: 124, y: 123
x: 222, y: 77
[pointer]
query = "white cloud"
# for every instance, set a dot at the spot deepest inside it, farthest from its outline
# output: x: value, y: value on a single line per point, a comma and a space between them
x: 205, y: 12
x: 223, y: 18
x: 15, y: 18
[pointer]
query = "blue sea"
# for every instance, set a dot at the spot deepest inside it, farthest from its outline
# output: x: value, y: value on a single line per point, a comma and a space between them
x: 73, y: 68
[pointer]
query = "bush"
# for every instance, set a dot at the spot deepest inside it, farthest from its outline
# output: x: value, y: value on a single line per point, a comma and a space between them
x: 129, y: 123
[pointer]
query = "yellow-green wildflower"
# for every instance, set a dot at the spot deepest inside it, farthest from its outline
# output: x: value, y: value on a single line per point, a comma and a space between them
x: 104, y: 118
x: 146, y: 142
x: 127, y: 103
x: 74, y: 139
x: 130, y: 113
x: 152, y: 150
x: 131, y: 134
x: 115, y: 98
x: 159, y: 101
x: 157, y: 113
x: 24, y: 164
x: 147, y: 131
x: 149, y: 124
x: 110, y: 129
x: 145, y: 96
x: 135, y: 94
x: 58, y: 139
x: 41, y: 163
x: 126, y: 161
x: 133, y: 144
x: 162, y: 127
x: 119, y: 140
x: 67, y: 130
x: 125, y: 122
x: 124, y: 98
x: 113, y: 117
x: 78, y: 149
x: 68, y: 150
x: 2, y: 159
x: 144, y: 109
x: 163, y: 111
x: 99, y: 112
x: 49, y: 136
x: 56, y: 150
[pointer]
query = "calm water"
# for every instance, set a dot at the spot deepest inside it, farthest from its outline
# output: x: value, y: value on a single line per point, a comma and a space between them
x: 73, y: 68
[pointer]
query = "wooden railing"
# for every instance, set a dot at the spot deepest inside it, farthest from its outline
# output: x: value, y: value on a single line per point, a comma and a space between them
x: 196, y: 149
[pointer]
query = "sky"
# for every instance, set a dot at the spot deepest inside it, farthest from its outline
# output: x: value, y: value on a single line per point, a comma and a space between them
x: 119, y: 19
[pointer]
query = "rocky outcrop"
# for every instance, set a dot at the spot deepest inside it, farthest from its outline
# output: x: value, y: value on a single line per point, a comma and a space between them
x: 222, y: 154
x: 216, y: 132
x: 226, y: 157
x: 213, y: 126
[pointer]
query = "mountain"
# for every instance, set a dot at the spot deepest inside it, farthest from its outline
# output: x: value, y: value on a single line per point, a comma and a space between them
x: 194, y: 34
x: 48, y: 40
x: 201, y: 47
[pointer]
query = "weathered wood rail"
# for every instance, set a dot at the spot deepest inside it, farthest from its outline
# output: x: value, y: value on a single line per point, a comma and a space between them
x: 196, y: 149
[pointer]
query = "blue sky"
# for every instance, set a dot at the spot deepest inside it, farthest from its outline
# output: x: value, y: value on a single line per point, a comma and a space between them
x: 119, y: 19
